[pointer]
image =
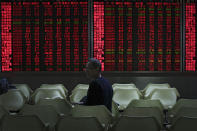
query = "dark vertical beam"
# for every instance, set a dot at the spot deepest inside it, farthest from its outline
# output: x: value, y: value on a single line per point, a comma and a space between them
x: 147, y: 40
x: 182, y: 35
x: 196, y: 40
x: 32, y: 39
x: 134, y: 37
x: 116, y: 37
x: 104, y: 37
x: 54, y: 37
x: 125, y: 33
x: 156, y: 38
x: 72, y: 44
x: 23, y: 39
x: 0, y: 40
x: 63, y: 39
x: 80, y: 38
x: 41, y: 37
x: 164, y: 38
x: 90, y: 29
x: 173, y: 38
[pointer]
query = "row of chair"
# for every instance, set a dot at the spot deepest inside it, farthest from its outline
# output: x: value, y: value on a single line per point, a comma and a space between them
x: 126, y: 93
x: 123, y: 94
x: 98, y: 118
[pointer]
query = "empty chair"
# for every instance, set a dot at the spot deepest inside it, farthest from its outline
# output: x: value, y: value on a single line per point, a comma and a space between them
x: 167, y: 97
x: 46, y: 113
x: 181, y: 103
x: 115, y: 110
x: 13, y: 100
x: 3, y: 112
x: 99, y: 111
x: 185, y: 111
x: 81, y: 86
x: 145, y: 112
x: 124, y: 96
x: 139, y: 119
x: 61, y: 87
x: 134, y: 123
x: 62, y: 106
x: 150, y: 88
x: 78, y: 124
x: 25, y: 89
x: 78, y: 94
x: 22, y: 123
x: 146, y: 103
x: 123, y: 86
x: 184, y: 124
x: 185, y: 120
x: 47, y: 94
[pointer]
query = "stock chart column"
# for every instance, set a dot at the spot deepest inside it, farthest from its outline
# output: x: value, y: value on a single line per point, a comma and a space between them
x: 141, y: 35
x: 113, y: 35
x: 99, y: 32
x: 160, y: 49
x: 190, y: 36
x: 49, y: 46
x: 177, y: 38
x: 150, y: 39
x: 58, y: 35
x: 109, y: 34
x: 18, y: 33
x: 6, y: 36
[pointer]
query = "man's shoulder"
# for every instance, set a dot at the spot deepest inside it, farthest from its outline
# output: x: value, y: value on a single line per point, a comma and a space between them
x: 94, y: 84
x: 101, y: 80
x: 104, y: 82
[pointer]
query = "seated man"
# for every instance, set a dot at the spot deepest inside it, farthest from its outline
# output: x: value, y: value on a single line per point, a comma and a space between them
x: 5, y: 86
x: 100, y: 91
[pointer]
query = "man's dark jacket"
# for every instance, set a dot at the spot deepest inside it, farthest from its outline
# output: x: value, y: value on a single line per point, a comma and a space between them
x: 100, y: 92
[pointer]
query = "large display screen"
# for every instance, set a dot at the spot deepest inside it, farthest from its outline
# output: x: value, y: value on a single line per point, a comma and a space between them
x: 44, y: 36
x: 137, y: 36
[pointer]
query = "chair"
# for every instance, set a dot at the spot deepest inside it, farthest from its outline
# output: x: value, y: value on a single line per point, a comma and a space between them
x: 185, y: 120
x: 134, y: 123
x: 3, y: 112
x: 124, y: 96
x: 42, y: 93
x: 145, y: 112
x: 167, y: 97
x: 62, y: 106
x: 123, y: 86
x: 25, y: 89
x: 115, y: 110
x: 61, y: 87
x: 151, y: 87
x: 13, y: 100
x: 81, y: 86
x: 99, y: 111
x: 185, y: 124
x: 182, y: 103
x: 46, y: 113
x: 147, y: 103
x: 78, y: 124
x: 22, y: 123
x: 78, y: 94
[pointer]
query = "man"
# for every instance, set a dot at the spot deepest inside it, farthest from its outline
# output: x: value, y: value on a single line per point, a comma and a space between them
x: 5, y: 86
x: 100, y: 91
